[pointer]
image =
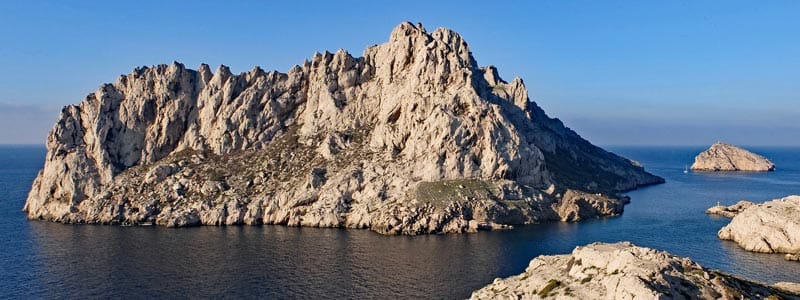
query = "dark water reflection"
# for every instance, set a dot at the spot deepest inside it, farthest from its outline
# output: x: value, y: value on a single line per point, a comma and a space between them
x: 49, y: 260
x: 270, y: 261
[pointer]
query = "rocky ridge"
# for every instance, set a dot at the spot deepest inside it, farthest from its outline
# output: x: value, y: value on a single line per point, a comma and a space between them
x: 769, y: 227
x: 625, y: 271
x: 725, y: 157
x: 412, y: 137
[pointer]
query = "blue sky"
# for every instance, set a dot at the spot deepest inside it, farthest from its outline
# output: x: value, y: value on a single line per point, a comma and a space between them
x: 618, y: 72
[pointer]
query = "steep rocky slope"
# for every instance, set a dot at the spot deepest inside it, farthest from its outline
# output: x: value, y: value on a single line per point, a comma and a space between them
x: 625, y: 271
x: 769, y: 227
x: 725, y: 157
x: 412, y: 137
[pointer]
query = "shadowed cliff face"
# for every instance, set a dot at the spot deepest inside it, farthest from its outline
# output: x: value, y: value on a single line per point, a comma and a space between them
x: 412, y: 137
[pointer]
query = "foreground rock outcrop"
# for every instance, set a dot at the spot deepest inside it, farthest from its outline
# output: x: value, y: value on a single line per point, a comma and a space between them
x: 625, y: 271
x: 412, y: 137
x: 725, y: 157
x: 769, y: 227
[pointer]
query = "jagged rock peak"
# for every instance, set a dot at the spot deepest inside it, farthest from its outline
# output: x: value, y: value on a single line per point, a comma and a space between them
x: 407, y: 29
x: 410, y: 138
x: 491, y: 75
x: 408, y: 39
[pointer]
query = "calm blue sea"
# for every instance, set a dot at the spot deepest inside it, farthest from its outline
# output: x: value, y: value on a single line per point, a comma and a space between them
x: 47, y: 260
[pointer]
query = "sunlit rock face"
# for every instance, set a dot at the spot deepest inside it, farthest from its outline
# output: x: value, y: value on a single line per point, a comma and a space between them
x: 626, y: 271
x: 725, y: 157
x: 412, y: 137
x: 769, y: 227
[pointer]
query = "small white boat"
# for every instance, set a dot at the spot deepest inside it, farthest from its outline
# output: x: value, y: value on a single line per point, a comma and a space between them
x: 686, y: 170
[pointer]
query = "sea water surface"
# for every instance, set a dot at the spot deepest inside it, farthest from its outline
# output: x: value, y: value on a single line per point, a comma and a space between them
x: 47, y: 260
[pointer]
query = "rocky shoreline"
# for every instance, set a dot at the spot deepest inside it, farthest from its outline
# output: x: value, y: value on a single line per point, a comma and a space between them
x: 625, y: 271
x: 729, y: 211
x: 413, y: 137
x: 446, y: 206
x: 769, y: 227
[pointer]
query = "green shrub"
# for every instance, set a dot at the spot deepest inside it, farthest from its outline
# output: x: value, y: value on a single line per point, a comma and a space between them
x: 548, y: 287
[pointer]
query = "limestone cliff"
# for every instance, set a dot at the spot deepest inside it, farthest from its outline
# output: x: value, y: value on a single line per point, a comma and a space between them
x: 725, y: 157
x: 412, y: 137
x: 625, y: 271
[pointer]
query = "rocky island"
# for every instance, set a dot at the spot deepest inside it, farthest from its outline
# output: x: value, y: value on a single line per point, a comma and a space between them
x: 769, y: 227
x: 412, y: 137
x: 725, y: 157
x: 625, y: 271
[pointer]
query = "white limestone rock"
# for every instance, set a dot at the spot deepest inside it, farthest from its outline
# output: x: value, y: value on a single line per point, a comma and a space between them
x: 725, y: 157
x: 792, y: 287
x: 729, y: 211
x: 624, y: 271
x: 769, y: 227
x: 391, y: 130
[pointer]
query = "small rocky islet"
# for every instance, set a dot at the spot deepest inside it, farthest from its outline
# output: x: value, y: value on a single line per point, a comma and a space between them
x: 412, y: 137
x: 726, y: 157
x: 729, y: 211
x: 769, y: 227
x: 626, y: 271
